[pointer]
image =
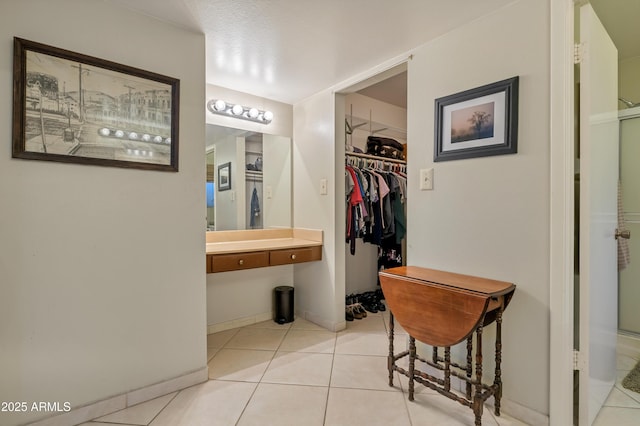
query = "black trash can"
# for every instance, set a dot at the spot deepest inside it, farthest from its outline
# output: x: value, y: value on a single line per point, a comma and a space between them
x: 284, y: 304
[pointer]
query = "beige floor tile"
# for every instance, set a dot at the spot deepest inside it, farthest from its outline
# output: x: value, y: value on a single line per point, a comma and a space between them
x: 362, y: 344
x: 309, y: 341
x: 351, y: 407
x: 504, y: 419
x: 256, y: 338
x: 239, y: 364
x: 140, y: 414
x: 211, y: 352
x: 610, y: 416
x: 270, y: 324
x: 618, y: 385
x: 283, y: 405
x: 303, y: 324
x: 435, y: 410
x: 618, y: 398
x: 105, y: 424
x: 211, y: 403
x: 372, y: 323
x: 625, y: 362
x: 299, y: 368
x: 362, y: 372
x: 218, y: 340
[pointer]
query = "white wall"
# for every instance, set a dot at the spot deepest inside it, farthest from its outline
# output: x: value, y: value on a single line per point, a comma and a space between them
x: 229, y: 211
x: 486, y: 216
x: 320, y: 297
x: 490, y: 216
x: 103, y: 282
x: 628, y: 81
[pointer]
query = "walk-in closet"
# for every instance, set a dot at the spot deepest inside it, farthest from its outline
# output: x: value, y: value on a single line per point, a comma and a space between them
x: 375, y: 201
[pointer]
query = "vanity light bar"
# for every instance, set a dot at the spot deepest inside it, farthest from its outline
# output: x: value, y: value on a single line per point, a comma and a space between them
x: 218, y: 106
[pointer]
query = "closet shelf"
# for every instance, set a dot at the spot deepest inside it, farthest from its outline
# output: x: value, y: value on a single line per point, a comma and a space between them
x: 374, y: 128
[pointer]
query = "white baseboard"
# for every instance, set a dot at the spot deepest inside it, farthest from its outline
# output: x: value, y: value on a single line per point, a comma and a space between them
x: 120, y: 402
x: 331, y: 326
x: 520, y: 412
x: 239, y: 322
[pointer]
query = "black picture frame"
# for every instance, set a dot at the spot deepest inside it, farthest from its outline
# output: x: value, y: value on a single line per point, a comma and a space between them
x: 479, y: 122
x: 75, y: 108
x: 224, y: 177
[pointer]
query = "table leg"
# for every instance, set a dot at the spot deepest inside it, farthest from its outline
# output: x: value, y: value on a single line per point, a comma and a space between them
x: 469, y: 365
x: 390, y: 357
x: 447, y: 368
x: 497, y: 381
x: 477, y: 399
x: 412, y: 365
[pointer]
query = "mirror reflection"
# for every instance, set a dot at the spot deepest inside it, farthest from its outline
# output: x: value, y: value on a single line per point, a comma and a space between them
x: 248, y: 179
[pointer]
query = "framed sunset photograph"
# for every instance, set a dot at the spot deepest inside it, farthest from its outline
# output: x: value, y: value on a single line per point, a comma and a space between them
x: 478, y: 122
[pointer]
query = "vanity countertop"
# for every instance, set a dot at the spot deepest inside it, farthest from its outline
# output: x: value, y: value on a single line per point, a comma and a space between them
x: 224, y: 242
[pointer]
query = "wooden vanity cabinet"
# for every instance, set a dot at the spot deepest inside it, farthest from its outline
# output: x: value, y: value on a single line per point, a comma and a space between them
x: 260, y: 259
x: 239, y: 250
x: 297, y: 255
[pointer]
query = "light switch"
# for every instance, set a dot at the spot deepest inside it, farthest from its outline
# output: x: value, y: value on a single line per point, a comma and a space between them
x: 426, y: 179
x: 323, y: 187
x: 269, y: 192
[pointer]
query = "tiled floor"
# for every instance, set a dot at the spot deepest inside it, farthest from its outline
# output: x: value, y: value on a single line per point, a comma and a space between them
x: 622, y: 407
x: 301, y: 374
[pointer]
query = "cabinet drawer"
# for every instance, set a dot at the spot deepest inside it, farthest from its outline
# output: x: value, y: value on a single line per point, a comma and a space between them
x: 288, y: 256
x: 236, y: 262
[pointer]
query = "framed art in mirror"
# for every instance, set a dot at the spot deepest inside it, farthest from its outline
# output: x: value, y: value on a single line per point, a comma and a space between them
x: 224, y: 177
x: 479, y: 122
x: 75, y: 108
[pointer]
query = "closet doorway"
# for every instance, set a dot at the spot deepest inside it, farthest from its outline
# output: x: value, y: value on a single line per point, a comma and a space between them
x: 375, y: 154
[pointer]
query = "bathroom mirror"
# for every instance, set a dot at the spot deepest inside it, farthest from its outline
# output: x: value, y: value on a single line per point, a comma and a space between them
x: 258, y: 192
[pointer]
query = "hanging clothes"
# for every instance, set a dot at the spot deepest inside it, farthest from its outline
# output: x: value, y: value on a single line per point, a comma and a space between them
x: 255, y: 208
x: 375, y: 205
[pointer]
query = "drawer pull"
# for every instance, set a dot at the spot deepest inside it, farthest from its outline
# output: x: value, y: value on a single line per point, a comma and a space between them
x: 293, y: 257
x: 241, y: 262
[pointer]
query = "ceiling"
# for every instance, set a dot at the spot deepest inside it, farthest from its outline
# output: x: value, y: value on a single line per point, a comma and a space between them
x: 287, y: 50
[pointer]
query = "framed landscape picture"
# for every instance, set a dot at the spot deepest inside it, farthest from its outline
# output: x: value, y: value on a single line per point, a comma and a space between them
x: 76, y: 108
x: 477, y: 123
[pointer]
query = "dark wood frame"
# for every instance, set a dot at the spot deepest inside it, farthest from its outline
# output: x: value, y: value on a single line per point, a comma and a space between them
x: 110, y: 97
x: 507, y: 145
x: 221, y: 186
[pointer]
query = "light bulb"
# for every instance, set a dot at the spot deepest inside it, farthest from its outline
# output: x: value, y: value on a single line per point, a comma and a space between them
x: 237, y: 109
x: 219, y: 105
x: 253, y: 113
x: 268, y: 116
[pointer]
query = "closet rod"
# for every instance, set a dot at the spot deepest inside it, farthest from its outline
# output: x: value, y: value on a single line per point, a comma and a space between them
x: 374, y: 157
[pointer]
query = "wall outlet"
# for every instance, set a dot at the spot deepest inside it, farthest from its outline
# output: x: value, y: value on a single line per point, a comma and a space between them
x: 426, y: 179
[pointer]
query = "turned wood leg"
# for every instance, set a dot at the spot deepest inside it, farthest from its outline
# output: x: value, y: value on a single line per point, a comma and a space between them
x: 412, y: 365
x: 477, y: 399
x: 390, y: 360
x: 469, y: 365
x: 497, y: 381
x: 447, y: 368
x: 435, y: 355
